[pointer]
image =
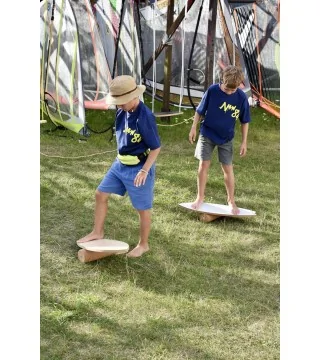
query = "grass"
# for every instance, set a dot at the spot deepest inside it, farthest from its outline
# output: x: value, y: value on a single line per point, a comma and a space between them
x: 204, y: 291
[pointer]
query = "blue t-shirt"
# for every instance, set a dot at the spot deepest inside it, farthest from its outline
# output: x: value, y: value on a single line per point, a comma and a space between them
x: 220, y: 112
x: 137, y: 131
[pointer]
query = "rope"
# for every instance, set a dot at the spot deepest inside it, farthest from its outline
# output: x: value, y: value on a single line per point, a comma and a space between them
x: 75, y: 157
x: 182, y: 122
x: 108, y: 151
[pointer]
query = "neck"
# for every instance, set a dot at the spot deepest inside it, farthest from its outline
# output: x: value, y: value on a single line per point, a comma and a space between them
x: 135, y: 105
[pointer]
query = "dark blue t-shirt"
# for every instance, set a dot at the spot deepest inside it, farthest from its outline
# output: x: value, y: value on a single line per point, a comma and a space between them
x: 221, y: 112
x: 137, y: 131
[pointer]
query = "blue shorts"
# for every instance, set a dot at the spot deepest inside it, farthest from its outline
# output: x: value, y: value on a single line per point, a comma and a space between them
x: 119, y: 180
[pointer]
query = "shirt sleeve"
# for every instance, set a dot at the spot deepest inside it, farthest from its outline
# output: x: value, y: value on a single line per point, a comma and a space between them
x: 203, y: 105
x: 149, y: 130
x: 245, y: 116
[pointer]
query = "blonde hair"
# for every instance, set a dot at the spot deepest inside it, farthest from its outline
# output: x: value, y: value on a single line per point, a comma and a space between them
x: 232, y: 76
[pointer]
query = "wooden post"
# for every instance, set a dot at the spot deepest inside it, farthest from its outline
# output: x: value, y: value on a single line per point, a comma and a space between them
x: 213, y: 5
x: 167, y: 64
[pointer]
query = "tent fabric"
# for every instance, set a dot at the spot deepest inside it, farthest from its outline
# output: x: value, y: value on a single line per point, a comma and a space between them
x: 74, y: 73
x: 259, y: 34
x: 60, y: 75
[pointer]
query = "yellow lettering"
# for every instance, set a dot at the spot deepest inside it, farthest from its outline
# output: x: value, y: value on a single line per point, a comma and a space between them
x: 136, y: 138
x: 236, y: 113
x: 223, y: 106
x: 129, y: 131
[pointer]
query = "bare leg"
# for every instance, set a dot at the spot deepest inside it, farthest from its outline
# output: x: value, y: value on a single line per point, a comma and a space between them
x: 229, y: 183
x: 145, y: 226
x: 203, y: 170
x: 100, y: 213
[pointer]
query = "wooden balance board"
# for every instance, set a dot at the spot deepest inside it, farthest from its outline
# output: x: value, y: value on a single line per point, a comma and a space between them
x: 209, y: 212
x: 98, y: 249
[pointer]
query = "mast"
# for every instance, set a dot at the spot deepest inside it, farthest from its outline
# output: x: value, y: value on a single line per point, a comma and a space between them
x: 167, y: 63
x: 213, y: 5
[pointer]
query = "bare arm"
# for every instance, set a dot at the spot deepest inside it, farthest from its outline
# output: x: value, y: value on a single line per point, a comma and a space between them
x: 244, y: 132
x: 141, y: 177
x: 153, y: 154
x: 193, y: 130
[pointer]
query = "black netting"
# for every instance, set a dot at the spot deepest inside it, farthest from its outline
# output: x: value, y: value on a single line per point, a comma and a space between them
x: 260, y: 43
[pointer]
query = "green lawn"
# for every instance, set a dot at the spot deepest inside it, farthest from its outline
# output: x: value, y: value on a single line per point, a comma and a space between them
x: 204, y: 291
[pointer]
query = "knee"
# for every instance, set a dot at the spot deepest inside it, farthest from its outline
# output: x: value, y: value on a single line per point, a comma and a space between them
x: 144, y: 214
x: 227, y: 169
x: 101, y: 197
x: 204, y: 166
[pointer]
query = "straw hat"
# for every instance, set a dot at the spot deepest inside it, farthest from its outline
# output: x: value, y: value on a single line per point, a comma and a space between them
x: 123, y: 89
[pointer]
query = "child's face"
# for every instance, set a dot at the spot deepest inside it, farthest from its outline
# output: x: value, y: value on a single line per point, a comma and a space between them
x: 227, y: 90
x: 128, y: 106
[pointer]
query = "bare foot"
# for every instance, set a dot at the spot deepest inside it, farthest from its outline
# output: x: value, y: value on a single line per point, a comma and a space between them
x: 138, y: 251
x: 196, y: 204
x: 234, y: 208
x: 90, y: 237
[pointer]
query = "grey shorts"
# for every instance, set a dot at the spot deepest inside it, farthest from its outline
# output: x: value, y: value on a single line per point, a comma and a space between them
x: 205, y: 147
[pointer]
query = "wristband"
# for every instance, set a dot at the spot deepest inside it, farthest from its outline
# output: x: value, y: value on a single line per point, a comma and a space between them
x: 142, y: 170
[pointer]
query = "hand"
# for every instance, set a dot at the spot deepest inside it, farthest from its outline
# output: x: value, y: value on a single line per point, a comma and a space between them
x: 192, y: 134
x: 243, y: 150
x: 140, y: 178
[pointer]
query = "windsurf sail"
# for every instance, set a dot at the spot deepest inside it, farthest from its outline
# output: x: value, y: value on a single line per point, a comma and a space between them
x: 240, y: 32
x: 118, y: 25
x: 108, y: 18
x: 189, y: 48
x: 95, y: 71
x: 258, y: 29
x: 60, y: 73
x: 128, y: 54
x: 74, y: 73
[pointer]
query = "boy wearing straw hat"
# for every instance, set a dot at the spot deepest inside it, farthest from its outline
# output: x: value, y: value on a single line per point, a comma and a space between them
x: 133, y: 170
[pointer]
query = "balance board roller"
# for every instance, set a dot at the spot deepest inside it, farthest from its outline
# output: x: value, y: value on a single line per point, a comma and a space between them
x: 98, y: 249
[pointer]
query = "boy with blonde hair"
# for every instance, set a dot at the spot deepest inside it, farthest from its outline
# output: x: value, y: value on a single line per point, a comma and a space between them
x: 220, y: 107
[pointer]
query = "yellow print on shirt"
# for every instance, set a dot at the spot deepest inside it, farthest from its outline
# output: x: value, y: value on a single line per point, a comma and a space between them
x: 233, y: 108
x: 136, y: 138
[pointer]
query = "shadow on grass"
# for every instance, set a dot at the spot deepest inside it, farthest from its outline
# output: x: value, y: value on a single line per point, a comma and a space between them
x: 200, y: 269
x: 113, y: 339
x: 215, y: 261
